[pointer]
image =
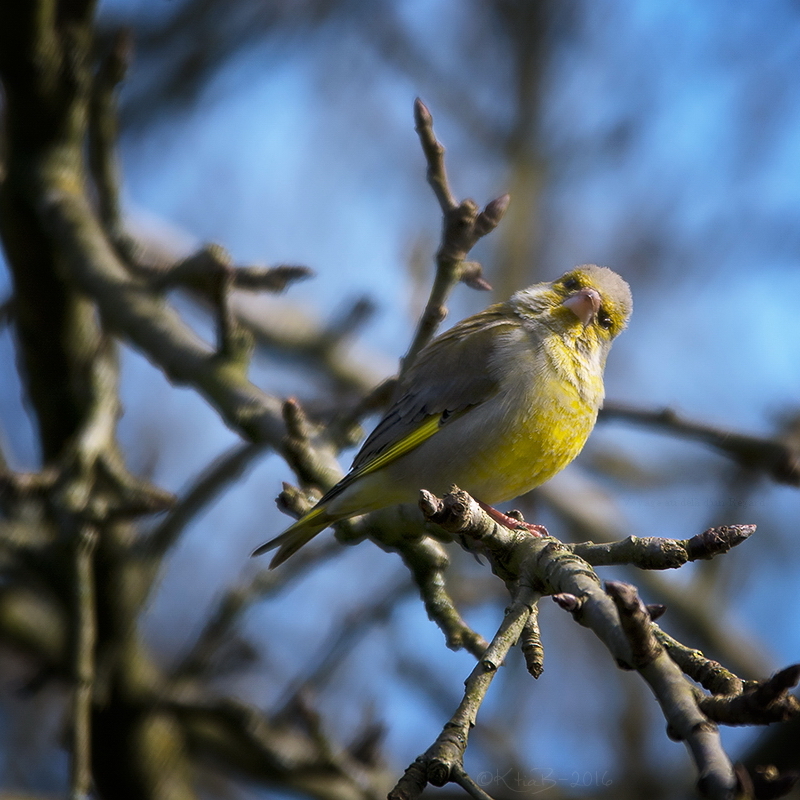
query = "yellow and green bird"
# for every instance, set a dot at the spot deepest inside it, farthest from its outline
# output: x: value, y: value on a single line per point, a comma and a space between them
x: 498, y: 404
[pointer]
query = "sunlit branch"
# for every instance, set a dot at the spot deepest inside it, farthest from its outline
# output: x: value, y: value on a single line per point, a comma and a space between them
x: 656, y: 553
x: 463, y: 225
x: 443, y: 761
x: 623, y: 623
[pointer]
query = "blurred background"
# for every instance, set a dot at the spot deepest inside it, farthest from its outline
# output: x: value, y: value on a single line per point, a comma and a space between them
x: 659, y: 138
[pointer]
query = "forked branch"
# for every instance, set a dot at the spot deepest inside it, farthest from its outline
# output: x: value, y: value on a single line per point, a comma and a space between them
x: 534, y: 566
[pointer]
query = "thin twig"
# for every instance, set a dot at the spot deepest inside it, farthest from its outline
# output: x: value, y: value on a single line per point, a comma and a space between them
x: 433, y: 150
x: 463, y: 225
x: 446, y: 754
x: 707, y: 672
x: 656, y: 553
x: 427, y: 561
x: 531, y: 644
x: 460, y: 777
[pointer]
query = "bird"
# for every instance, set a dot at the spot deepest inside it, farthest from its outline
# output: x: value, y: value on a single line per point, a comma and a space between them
x: 497, y: 404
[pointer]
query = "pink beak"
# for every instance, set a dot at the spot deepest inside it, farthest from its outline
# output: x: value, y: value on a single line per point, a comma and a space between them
x: 584, y: 304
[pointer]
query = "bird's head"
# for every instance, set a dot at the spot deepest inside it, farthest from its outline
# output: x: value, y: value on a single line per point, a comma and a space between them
x: 588, y: 305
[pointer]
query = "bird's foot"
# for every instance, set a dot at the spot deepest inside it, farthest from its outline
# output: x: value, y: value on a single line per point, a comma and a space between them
x: 513, y: 524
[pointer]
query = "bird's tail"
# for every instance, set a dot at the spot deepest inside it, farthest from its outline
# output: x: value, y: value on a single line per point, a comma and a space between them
x: 297, y: 535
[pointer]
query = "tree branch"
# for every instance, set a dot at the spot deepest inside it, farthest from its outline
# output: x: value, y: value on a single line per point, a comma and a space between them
x: 778, y: 459
x: 84, y: 644
x: 223, y: 471
x: 463, y: 226
x: 443, y: 761
x: 618, y: 618
x: 655, y: 552
x: 131, y: 309
x: 102, y: 135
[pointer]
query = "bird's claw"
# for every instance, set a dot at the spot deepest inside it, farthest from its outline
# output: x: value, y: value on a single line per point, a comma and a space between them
x: 513, y: 524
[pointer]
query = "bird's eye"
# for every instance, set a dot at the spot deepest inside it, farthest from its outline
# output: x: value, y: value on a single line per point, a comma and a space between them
x: 572, y: 283
x: 604, y: 320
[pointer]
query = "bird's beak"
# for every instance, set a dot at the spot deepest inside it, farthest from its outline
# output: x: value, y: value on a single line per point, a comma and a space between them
x: 584, y: 304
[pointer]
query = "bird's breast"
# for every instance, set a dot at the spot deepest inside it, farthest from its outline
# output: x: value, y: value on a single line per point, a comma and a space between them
x: 529, y: 429
x: 538, y: 428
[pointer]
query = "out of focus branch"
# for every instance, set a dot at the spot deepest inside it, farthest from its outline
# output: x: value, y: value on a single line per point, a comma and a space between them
x: 294, y: 333
x: 226, y: 469
x: 142, y: 318
x: 778, y: 459
x: 6, y: 311
x: 203, y: 271
x: 84, y: 644
x: 102, y: 132
x: 276, y: 750
x: 351, y: 628
x: 220, y: 626
x: 289, y: 331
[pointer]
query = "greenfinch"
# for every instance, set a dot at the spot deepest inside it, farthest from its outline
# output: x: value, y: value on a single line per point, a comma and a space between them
x: 498, y: 404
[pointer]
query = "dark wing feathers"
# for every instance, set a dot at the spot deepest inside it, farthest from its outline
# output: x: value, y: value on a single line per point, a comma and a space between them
x: 449, y: 375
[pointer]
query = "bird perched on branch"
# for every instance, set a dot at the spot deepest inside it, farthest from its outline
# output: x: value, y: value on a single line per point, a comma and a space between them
x: 498, y: 404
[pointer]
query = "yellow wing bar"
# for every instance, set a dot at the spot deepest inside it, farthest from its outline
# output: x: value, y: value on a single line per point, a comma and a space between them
x: 420, y: 434
x: 414, y: 439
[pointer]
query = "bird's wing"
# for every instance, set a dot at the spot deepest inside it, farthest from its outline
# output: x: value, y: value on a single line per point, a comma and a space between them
x: 449, y: 376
